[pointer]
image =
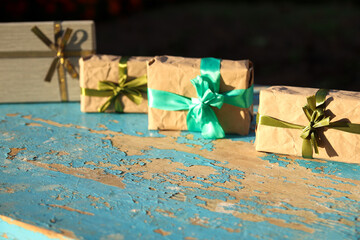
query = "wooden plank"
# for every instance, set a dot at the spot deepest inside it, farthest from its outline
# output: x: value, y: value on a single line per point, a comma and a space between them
x: 106, y: 176
x: 12, y: 229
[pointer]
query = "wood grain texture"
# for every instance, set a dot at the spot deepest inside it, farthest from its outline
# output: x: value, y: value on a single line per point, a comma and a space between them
x: 22, y: 79
x: 105, y: 176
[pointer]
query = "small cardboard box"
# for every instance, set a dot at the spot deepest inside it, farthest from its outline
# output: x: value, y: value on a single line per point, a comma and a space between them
x: 96, y: 68
x: 173, y: 74
x: 25, y: 60
x: 286, y: 104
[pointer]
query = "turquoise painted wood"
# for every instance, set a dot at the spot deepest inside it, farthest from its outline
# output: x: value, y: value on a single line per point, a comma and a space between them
x: 105, y: 176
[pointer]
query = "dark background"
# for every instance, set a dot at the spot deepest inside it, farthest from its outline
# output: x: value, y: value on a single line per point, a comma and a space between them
x: 294, y: 42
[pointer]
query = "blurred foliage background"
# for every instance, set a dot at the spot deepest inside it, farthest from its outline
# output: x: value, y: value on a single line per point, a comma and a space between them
x: 299, y: 43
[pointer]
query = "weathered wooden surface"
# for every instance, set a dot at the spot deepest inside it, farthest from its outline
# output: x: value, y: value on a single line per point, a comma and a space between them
x: 105, y: 176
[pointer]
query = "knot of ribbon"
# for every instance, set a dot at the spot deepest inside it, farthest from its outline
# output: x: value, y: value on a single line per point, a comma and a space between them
x: 60, y: 60
x: 201, y: 117
x: 315, y: 113
x: 131, y: 89
x: 205, y: 91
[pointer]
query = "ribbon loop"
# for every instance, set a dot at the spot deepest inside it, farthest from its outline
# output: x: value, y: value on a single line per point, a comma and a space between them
x: 205, y: 93
x: 43, y: 38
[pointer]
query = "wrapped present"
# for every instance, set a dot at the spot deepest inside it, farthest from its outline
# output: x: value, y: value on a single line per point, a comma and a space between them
x: 113, y: 84
x: 209, y: 95
x: 39, y: 60
x: 303, y: 121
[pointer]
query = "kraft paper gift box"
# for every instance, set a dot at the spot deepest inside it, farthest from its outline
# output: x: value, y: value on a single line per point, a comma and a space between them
x: 289, y: 123
x: 172, y: 81
x: 39, y: 60
x: 113, y: 84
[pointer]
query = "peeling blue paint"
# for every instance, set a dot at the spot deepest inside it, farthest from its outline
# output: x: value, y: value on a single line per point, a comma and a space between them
x: 273, y: 158
x: 13, y: 232
x: 148, y: 204
x: 197, y: 139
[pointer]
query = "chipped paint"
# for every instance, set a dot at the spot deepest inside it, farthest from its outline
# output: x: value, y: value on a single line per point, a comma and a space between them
x: 26, y: 231
x: 33, y: 124
x: 162, y: 232
x: 13, y: 152
x: 12, y: 114
x: 98, y: 175
x: 71, y: 209
x: 76, y: 174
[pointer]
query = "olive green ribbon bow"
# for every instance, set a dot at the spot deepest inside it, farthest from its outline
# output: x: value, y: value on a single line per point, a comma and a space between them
x: 60, y: 60
x: 315, y: 113
x: 131, y: 89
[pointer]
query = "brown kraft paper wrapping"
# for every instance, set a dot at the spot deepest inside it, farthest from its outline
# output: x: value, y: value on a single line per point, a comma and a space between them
x: 97, y: 68
x: 173, y: 74
x: 285, y: 103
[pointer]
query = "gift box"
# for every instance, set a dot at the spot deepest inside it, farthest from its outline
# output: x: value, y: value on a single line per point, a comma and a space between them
x: 309, y: 122
x: 113, y: 84
x: 39, y: 60
x: 208, y: 95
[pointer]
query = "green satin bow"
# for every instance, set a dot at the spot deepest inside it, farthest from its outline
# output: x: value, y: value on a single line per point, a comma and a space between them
x: 201, y: 116
x: 315, y: 113
x: 131, y: 89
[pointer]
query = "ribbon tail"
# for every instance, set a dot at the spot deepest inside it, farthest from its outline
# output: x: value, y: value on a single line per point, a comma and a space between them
x: 307, y: 151
x: 51, y: 71
x: 206, y: 122
x: 70, y: 68
x: 118, y: 105
x: 314, y: 142
x: 193, y: 119
x: 62, y: 83
x: 106, y: 104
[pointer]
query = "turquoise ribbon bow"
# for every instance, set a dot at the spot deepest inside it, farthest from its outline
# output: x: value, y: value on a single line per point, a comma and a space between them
x: 201, y: 116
